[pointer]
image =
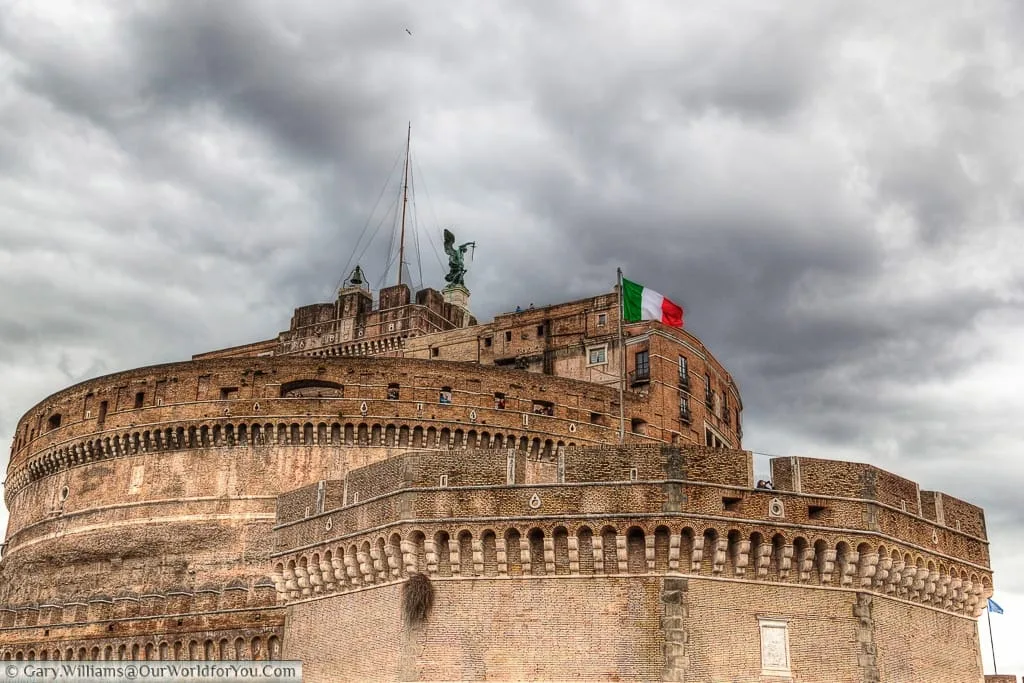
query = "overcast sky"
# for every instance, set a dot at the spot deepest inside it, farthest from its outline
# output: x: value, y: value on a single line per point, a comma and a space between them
x: 832, y: 189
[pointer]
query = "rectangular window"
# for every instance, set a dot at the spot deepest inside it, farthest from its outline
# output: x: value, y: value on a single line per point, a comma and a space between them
x: 228, y: 393
x: 774, y: 647
x: 508, y: 336
x: 487, y: 342
x: 597, y: 355
x: 602, y: 319
x: 643, y: 363
x: 684, y: 408
x: 499, y: 400
x: 102, y: 417
x: 445, y: 396
x: 392, y: 392
x: 817, y: 511
x: 434, y: 352
x: 140, y: 397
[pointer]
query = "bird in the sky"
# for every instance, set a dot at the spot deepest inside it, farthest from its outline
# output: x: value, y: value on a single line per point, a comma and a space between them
x: 408, y: 31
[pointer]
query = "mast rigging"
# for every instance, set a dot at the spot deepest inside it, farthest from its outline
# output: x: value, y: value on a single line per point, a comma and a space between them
x: 405, y: 202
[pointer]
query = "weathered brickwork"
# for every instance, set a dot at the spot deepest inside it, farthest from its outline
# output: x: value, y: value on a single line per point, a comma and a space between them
x: 273, y: 500
x: 599, y: 629
x: 923, y: 645
x: 681, y: 391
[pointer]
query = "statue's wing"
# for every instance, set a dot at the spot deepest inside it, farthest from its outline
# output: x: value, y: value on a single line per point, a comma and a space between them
x: 449, y: 238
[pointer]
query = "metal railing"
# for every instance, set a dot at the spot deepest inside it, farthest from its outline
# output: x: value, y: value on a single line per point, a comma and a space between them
x: 640, y: 376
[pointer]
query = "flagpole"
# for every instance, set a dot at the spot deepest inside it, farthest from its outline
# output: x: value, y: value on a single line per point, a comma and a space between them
x: 622, y: 366
x: 991, y: 640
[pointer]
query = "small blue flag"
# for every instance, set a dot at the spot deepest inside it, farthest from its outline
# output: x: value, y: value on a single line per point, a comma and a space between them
x: 994, y: 607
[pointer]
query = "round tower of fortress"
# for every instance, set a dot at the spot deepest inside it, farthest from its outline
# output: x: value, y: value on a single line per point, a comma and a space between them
x: 272, y: 500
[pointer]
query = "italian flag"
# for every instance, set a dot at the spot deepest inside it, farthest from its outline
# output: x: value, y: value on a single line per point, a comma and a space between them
x: 643, y: 303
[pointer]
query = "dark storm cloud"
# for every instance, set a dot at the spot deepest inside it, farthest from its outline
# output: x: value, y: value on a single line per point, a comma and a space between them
x: 832, y: 191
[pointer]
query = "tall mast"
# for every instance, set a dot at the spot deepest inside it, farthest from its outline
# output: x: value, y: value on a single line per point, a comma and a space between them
x: 405, y: 201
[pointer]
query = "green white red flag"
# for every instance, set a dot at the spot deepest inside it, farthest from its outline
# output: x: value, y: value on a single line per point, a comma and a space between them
x: 643, y: 303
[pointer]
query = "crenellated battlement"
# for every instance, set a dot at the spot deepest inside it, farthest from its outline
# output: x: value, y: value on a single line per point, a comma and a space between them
x: 814, y: 476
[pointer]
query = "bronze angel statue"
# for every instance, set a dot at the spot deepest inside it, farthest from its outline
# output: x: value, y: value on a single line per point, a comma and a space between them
x: 456, y: 259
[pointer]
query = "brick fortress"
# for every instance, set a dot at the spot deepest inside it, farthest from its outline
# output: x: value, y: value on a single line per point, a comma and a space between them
x: 273, y: 501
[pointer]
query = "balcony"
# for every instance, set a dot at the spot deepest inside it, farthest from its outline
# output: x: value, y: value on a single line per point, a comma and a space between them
x: 641, y: 375
x: 684, y: 381
x: 684, y: 415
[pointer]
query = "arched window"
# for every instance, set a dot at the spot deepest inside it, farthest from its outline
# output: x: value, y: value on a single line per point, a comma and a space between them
x: 466, y: 554
x: 490, y: 552
x: 560, y: 538
x: 609, y: 548
x: 636, y: 551
x: 443, y: 551
x: 514, y: 552
x: 661, y: 546
x: 537, y: 564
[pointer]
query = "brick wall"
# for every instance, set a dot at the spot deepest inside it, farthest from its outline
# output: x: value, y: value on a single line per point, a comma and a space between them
x: 584, y: 629
x: 855, y: 480
x: 970, y: 517
x: 725, y: 637
x: 618, y: 628
x: 916, y: 645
